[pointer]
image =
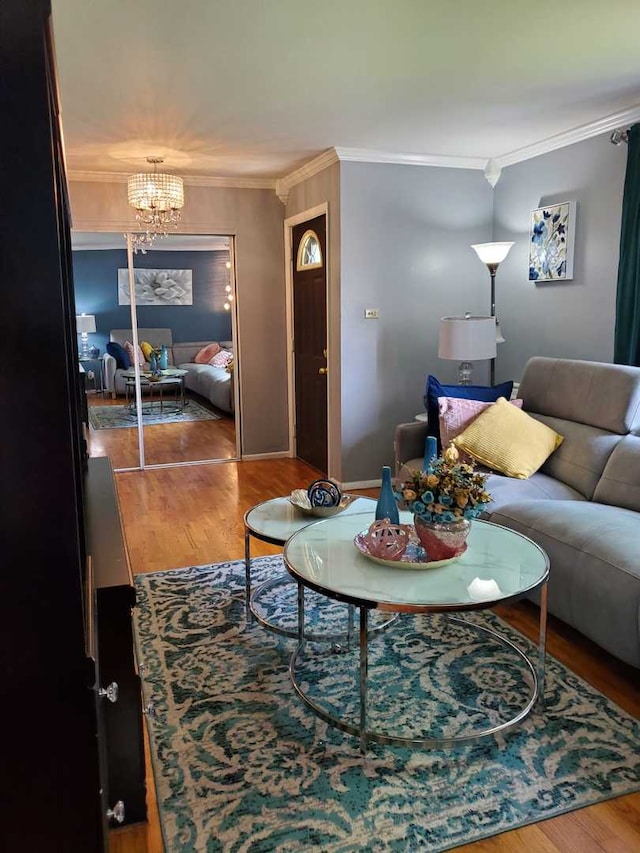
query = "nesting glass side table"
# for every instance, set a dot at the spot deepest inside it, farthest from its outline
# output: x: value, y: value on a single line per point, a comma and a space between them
x: 275, y: 521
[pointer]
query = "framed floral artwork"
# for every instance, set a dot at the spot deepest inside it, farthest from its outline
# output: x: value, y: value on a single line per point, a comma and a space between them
x: 551, y: 242
x: 156, y: 287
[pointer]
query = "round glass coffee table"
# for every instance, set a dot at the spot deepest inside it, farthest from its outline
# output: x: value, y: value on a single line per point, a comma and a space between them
x: 499, y: 566
x: 274, y: 521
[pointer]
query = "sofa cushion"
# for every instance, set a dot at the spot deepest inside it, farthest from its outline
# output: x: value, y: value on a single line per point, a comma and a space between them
x: 207, y: 352
x: 222, y: 359
x: 620, y: 481
x: 131, y: 352
x: 433, y: 390
x: 120, y: 354
x: 455, y: 414
x: 595, y: 585
x: 157, y: 337
x: 147, y: 349
x: 582, y: 456
x: 606, y: 396
x: 508, y: 440
x: 539, y: 487
x: 213, y: 383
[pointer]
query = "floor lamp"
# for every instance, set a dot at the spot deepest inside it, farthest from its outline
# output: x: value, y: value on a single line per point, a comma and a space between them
x: 493, y: 254
x: 467, y: 339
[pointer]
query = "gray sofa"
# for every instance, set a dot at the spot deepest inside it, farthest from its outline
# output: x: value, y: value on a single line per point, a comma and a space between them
x: 583, y: 505
x: 213, y: 383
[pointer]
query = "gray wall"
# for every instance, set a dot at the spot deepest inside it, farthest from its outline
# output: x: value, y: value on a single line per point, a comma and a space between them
x: 406, y: 233
x: 254, y: 217
x: 399, y: 240
x: 573, y: 319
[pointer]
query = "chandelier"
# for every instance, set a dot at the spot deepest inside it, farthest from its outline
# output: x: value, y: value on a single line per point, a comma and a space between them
x: 158, y: 199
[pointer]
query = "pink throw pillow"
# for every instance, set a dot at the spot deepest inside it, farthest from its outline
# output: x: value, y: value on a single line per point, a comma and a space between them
x: 131, y: 353
x: 205, y: 355
x: 455, y: 415
x: 222, y: 359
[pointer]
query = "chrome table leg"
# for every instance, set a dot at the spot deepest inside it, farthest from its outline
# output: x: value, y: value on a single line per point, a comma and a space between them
x: 351, y: 615
x: 364, y: 663
x: 247, y: 575
x: 542, y: 644
x: 300, y: 614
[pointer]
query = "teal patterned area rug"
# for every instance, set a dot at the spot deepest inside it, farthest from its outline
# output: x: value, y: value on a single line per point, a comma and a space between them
x: 120, y: 417
x: 241, y: 764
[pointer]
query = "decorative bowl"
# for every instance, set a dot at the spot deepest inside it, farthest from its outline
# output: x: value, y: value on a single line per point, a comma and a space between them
x: 300, y: 500
x: 324, y: 493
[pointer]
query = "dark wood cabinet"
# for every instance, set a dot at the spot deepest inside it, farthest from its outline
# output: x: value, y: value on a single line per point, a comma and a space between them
x: 50, y: 785
x: 120, y: 721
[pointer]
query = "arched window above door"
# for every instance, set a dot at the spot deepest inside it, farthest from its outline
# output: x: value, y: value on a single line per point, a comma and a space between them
x: 309, y: 252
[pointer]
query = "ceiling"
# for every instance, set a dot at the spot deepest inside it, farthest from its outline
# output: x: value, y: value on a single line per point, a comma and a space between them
x: 256, y: 88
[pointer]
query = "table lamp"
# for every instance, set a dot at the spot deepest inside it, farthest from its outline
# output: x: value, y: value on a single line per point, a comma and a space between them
x: 467, y: 339
x: 85, y: 326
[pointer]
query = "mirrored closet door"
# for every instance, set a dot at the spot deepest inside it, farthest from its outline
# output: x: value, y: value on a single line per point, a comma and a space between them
x: 186, y: 393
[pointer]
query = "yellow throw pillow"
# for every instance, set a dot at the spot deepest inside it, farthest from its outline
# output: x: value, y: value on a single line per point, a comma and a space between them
x: 147, y: 349
x: 509, y: 440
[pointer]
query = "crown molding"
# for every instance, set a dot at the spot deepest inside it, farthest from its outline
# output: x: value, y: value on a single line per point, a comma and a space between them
x: 364, y: 155
x: 189, y: 180
x: 614, y: 121
x: 282, y: 186
x: 307, y: 170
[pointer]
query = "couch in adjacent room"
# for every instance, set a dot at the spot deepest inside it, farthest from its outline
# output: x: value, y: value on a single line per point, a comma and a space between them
x: 213, y: 383
x: 583, y: 505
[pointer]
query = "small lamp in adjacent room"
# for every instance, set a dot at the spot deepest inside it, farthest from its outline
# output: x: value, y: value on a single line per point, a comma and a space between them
x: 85, y: 326
x: 467, y: 339
x: 493, y: 254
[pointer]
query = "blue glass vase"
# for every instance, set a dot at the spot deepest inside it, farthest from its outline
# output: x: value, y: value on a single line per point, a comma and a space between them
x: 387, y: 506
x: 163, y: 361
x: 430, y: 452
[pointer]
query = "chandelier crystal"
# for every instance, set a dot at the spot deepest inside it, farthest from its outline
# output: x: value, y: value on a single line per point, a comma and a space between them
x: 158, y: 200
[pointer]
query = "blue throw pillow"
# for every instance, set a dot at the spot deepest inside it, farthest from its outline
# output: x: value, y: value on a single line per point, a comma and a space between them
x: 123, y: 362
x: 433, y: 390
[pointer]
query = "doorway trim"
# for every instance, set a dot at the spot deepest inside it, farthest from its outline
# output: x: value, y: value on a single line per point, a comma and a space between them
x: 289, y: 223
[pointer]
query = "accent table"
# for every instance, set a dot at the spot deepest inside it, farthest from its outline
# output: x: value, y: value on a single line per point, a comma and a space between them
x: 172, y: 378
x: 274, y: 521
x: 508, y: 565
x: 92, y: 368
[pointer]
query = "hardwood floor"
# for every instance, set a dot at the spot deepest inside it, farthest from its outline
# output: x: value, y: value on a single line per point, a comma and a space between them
x: 192, y: 441
x: 176, y: 517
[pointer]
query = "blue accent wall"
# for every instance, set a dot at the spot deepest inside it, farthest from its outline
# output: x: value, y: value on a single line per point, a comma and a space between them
x: 95, y: 275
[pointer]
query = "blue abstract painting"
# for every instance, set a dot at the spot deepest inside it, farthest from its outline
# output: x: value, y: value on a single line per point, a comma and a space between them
x: 551, y: 242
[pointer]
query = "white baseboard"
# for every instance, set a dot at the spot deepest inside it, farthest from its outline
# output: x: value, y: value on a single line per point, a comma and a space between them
x: 278, y: 454
x: 362, y: 484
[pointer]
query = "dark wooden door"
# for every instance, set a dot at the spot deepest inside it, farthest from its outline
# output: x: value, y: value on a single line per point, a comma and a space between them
x: 50, y: 798
x: 310, y: 341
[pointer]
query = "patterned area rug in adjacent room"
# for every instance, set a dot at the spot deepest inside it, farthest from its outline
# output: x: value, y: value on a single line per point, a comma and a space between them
x: 119, y: 417
x: 242, y: 765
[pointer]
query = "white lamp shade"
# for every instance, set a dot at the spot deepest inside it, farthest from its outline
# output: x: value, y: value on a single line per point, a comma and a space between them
x: 467, y: 338
x: 85, y: 323
x: 492, y: 253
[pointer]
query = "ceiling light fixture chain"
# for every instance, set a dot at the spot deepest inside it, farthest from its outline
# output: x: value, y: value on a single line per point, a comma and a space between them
x: 158, y: 199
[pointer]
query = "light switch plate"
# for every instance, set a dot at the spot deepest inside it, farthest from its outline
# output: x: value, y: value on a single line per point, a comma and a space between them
x: 371, y: 313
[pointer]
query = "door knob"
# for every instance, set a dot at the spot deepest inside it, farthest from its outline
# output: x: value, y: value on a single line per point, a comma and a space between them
x: 111, y: 692
x: 323, y: 371
x: 117, y: 812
